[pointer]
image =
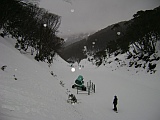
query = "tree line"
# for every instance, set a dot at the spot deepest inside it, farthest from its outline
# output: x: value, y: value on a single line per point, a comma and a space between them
x: 33, y: 27
x: 142, y: 34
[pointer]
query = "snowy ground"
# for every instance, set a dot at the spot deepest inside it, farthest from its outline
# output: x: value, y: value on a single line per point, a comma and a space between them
x: 28, y: 91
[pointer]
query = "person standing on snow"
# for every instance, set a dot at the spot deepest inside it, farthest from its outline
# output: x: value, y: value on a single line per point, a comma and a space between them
x: 115, y: 101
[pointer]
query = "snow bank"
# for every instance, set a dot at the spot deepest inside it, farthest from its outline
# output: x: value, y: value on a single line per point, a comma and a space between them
x: 28, y: 90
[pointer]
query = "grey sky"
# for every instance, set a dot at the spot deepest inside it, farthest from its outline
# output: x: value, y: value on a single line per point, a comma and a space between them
x: 93, y: 15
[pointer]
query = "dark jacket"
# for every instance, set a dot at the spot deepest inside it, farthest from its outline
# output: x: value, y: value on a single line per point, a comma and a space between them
x: 115, y: 101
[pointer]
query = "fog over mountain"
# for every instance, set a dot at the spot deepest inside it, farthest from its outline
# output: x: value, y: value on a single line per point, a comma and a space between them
x: 79, y: 16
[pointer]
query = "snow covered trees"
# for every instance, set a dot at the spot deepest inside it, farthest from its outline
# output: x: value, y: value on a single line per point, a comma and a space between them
x: 33, y: 27
x: 139, y: 39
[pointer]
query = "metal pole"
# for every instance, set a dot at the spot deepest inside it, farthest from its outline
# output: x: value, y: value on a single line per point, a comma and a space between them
x: 88, y: 90
x: 87, y: 84
x: 92, y: 86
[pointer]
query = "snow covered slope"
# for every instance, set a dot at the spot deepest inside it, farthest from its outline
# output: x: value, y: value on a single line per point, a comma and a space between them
x: 35, y: 95
x: 28, y: 91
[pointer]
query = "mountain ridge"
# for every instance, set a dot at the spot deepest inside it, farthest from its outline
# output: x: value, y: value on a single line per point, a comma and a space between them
x: 95, y: 42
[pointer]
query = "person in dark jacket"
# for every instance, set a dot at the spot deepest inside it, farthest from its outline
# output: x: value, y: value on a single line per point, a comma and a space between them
x: 115, y: 101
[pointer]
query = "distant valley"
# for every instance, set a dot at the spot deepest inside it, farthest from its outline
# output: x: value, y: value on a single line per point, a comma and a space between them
x: 73, y: 48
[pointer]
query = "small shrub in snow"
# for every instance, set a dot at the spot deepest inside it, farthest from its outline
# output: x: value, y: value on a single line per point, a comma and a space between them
x: 14, y: 77
x: 72, y: 99
x: 62, y: 84
x: 3, y: 67
x: 151, y: 66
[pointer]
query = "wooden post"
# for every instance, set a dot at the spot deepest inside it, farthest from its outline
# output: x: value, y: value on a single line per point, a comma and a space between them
x: 90, y: 83
x: 88, y: 90
x: 94, y: 88
x: 77, y: 90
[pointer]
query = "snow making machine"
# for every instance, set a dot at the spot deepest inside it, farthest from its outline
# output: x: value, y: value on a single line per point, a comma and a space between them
x: 79, y: 83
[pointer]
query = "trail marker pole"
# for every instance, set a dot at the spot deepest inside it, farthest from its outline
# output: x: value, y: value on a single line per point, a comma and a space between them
x: 94, y: 88
x: 88, y: 90
x: 77, y: 90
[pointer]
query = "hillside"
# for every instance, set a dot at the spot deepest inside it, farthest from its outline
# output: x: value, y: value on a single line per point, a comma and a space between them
x: 28, y: 91
x: 142, y: 33
x: 95, y: 42
x: 70, y: 39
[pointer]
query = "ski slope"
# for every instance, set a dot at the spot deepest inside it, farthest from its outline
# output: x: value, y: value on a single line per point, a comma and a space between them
x: 35, y: 94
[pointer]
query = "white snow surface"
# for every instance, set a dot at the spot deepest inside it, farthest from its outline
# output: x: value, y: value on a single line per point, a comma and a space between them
x: 38, y: 95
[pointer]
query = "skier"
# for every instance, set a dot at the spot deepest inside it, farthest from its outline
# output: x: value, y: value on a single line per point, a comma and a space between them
x: 115, y: 101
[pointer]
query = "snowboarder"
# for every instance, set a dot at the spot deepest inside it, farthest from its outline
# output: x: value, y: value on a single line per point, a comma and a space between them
x: 115, y: 101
